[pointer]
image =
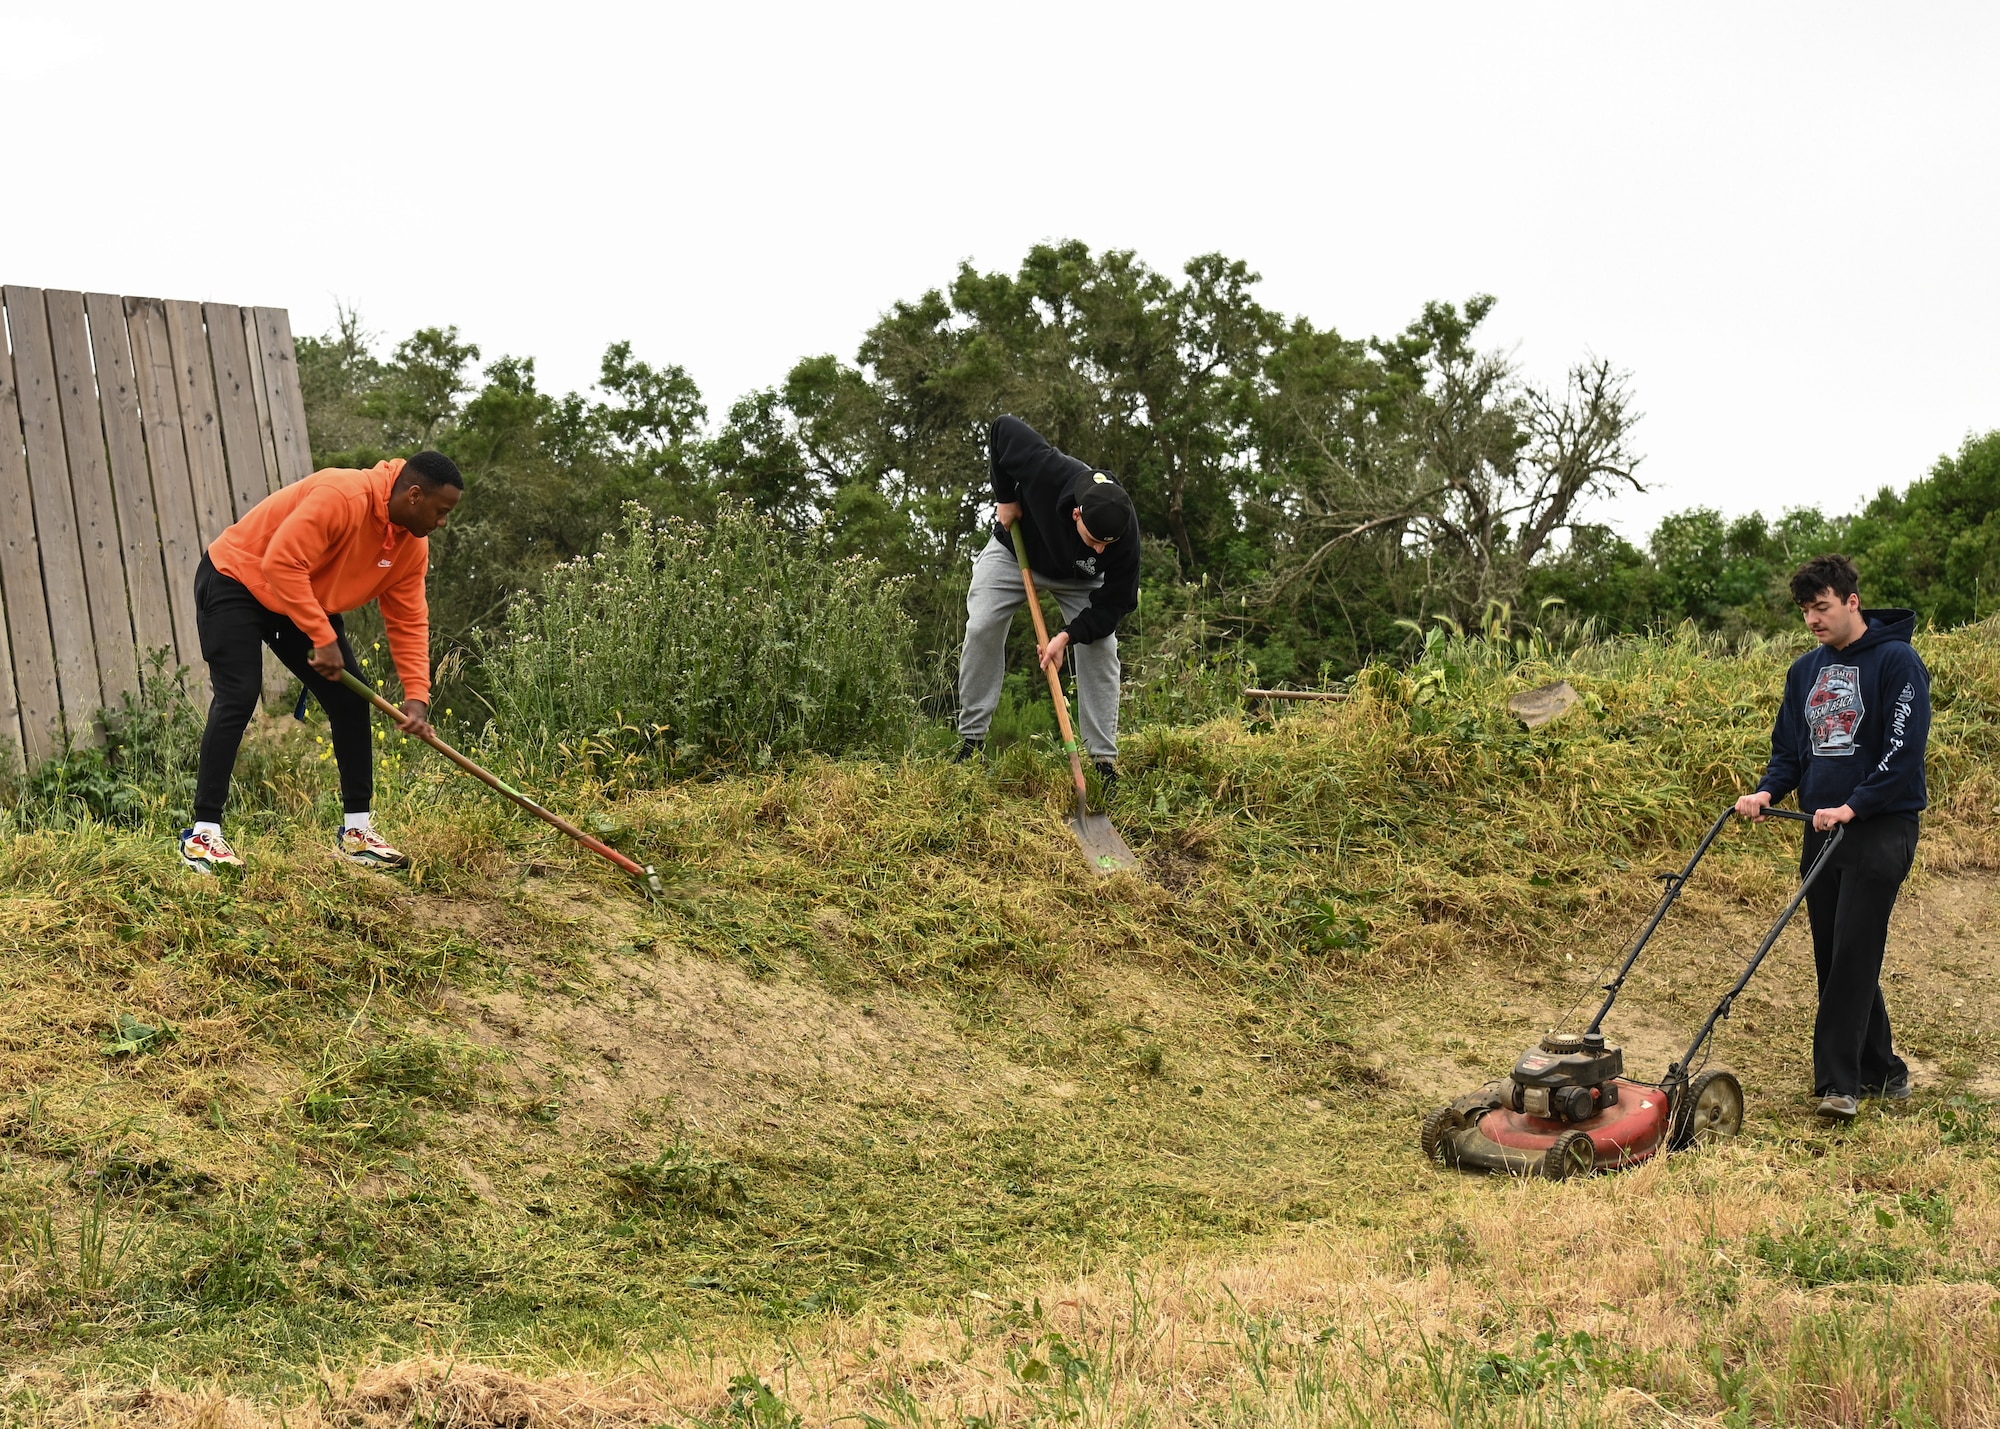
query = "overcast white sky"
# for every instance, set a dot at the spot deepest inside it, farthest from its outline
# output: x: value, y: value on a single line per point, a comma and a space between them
x: 1781, y: 218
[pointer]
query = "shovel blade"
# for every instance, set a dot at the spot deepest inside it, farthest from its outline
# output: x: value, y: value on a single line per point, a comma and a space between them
x: 1102, y: 844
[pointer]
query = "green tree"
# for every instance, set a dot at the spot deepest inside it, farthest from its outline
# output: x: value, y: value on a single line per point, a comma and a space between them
x: 419, y: 391
x: 337, y: 373
x: 1599, y: 577
x: 1123, y: 366
x: 1936, y: 547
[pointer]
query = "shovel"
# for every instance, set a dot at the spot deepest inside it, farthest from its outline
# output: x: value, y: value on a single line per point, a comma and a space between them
x: 1102, y: 845
x: 648, y: 879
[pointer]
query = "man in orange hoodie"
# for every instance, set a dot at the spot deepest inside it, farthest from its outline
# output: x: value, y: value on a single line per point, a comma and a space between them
x: 281, y: 577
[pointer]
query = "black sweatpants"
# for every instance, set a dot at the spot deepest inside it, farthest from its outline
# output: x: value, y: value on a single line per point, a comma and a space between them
x: 234, y: 627
x: 1849, y: 906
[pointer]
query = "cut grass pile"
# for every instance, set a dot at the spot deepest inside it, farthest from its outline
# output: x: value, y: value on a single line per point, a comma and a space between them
x: 892, y: 1110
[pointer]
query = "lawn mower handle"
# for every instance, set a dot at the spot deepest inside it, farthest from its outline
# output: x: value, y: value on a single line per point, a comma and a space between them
x: 1675, y: 883
x: 1678, y: 1073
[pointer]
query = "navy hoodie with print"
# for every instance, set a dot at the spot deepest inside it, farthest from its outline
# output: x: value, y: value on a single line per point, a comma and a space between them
x: 1854, y: 724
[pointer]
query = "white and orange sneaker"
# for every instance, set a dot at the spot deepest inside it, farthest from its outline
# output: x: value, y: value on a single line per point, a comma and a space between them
x: 370, y: 849
x: 205, y: 852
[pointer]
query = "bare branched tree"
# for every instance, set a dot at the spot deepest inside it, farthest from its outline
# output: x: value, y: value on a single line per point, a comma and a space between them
x: 1452, y: 479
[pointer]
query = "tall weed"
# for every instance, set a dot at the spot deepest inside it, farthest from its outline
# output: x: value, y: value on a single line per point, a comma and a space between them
x: 683, y: 645
x: 141, y: 774
x: 1187, y: 673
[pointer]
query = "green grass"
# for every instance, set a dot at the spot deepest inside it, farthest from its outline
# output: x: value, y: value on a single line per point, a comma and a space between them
x: 887, y: 1062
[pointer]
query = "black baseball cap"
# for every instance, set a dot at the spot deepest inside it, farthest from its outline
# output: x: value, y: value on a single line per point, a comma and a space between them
x: 1106, y: 509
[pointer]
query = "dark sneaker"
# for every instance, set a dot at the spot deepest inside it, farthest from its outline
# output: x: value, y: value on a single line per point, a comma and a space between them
x: 970, y: 750
x: 370, y: 849
x: 1838, y: 1108
x: 1899, y: 1090
x: 204, y: 853
x: 1107, y: 778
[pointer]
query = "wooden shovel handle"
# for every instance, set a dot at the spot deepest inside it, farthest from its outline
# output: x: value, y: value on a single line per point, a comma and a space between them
x: 1055, y: 680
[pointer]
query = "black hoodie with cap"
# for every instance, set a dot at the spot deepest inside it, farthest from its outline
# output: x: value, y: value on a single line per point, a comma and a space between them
x: 1855, y: 723
x: 1049, y: 484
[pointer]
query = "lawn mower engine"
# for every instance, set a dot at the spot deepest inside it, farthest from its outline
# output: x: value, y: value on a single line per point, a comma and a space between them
x: 1569, y: 1077
x: 1565, y: 1111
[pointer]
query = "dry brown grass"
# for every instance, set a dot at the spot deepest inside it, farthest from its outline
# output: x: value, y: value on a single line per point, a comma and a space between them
x: 1339, y: 1325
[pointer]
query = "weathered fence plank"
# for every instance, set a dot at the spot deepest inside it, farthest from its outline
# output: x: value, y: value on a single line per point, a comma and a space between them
x: 55, y: 510
x: 131, y: 478
x: 201, y: 421
x: 10, y: 707
x: 132, y: 433
x: 37, y: 704
x: 90, y: 487
x: 253, y: 343
x: 249, y: 482
x: 166, y: 454
x: 288, y: 408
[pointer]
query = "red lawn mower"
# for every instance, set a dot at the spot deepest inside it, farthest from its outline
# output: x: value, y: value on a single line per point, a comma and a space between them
x: 1569, y: 1110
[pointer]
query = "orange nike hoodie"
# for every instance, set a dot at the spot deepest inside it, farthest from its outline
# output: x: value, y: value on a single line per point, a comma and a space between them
x: 327, y: 544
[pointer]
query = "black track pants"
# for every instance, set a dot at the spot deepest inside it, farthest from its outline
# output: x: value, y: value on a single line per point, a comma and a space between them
x: 234, y: 627
x: 1849, y: 906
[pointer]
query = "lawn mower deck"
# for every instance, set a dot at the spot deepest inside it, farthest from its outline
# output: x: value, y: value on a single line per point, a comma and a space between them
x: 1483, y: 1132
x: 1568, y: 1109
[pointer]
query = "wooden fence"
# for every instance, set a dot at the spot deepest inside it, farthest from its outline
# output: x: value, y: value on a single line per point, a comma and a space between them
x: 132, y: 431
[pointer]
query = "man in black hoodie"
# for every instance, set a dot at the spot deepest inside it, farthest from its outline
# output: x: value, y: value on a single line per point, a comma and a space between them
x: 1850, y: 739
x: 1082, y: 537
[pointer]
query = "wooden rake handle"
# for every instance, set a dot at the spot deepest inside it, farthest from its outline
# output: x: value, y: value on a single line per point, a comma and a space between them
x: 1055, y: 679
x: 646, y: 876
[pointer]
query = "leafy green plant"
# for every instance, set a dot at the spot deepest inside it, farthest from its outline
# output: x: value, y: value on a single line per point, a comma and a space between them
x: 130, y: 1037
x: 753, y: 1404
x: 684, y: 645
x: 1188, y: 672
x: 1822, y: 1253
x: 1550, y: 1361
x: 141, y: 774
x: 1964, y: 1121
x: 679, y: 1180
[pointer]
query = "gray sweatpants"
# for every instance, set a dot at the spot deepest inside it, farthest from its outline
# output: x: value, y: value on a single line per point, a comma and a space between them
x: 990, y: 605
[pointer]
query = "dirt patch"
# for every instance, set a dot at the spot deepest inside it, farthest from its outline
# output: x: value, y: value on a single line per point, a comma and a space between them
x: 441, y: 1394
x: 650, y: 1035
x: 709, y: 1044
x: 1941, y: 979
x: 672, y: 1037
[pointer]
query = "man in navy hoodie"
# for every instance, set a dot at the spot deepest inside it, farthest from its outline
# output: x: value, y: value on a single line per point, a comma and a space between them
x: 1850, y: 739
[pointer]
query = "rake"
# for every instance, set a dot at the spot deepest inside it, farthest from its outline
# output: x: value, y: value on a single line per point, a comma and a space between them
x: 646, y: 876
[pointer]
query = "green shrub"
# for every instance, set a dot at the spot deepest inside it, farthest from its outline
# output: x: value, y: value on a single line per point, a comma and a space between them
x: 682, y: 645
x: 141, y: 774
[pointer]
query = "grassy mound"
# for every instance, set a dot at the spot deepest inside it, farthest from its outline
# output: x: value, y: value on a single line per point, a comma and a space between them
x: 892, y: 1092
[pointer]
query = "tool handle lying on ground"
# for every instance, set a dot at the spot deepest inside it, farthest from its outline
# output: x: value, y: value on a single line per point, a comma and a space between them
x: 647, y: 877
x: 1055, y: 678
x: 1250, y: 694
